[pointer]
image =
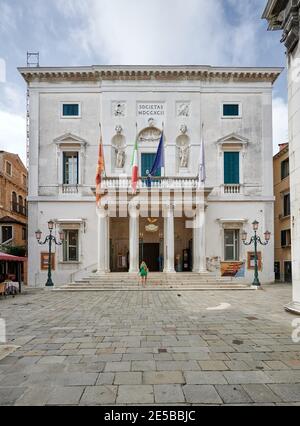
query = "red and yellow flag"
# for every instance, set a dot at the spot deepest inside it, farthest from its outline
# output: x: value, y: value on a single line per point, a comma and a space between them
x: 100, y: 171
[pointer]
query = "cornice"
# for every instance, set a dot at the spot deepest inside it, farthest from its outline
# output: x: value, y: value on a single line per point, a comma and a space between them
x: 146, y: 73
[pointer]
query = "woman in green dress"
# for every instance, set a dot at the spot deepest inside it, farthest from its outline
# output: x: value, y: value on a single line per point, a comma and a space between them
x: 144, y: 272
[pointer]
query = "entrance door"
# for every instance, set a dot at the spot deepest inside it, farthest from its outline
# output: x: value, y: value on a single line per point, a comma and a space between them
x: 288, y: 272
x: 150, y: 254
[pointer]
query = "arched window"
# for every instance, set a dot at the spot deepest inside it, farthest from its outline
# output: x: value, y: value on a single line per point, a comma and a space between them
x: 20, y: 205
x: 14, y: 200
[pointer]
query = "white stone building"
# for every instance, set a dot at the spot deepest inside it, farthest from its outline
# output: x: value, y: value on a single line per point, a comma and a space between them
x: 230, y: 108
x: 285, y: 15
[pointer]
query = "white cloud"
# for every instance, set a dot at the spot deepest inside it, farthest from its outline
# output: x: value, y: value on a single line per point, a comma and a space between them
x: 280, y: 122
x: 160, y: 32
x: 13, y: 134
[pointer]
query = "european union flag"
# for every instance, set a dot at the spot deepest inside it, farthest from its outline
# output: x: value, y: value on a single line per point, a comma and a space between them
x: 159, y: 161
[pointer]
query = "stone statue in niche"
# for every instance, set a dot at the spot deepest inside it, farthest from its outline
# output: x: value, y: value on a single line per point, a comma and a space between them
x: 120, y: 158
x: 184, y: 153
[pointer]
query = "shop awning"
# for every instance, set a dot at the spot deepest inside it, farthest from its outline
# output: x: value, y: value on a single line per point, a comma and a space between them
x: 9, y: 258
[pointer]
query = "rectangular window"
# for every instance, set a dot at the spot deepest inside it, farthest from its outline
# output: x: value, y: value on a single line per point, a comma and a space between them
x: 285, y: 169
x: 8, y: 168
x: 286, y: 238
x: 232, y: 245
x: 147, y: 164
x: 24, y: 180
x: 70, y: 246
x: 231, y: 110
x: 70, y: 168
x: 24, y: 234
x: 286, y: 205
x: 7, y: 234
x: 231, y: 168
x: 70, y: 110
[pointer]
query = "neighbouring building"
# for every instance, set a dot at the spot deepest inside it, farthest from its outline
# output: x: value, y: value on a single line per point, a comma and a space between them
x: 285, y: 15
x: 230, y: 109
x: 282, y: 221
x: 13, y: 206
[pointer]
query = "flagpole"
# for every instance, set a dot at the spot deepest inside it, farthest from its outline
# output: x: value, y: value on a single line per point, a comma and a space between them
x: 163, y: 171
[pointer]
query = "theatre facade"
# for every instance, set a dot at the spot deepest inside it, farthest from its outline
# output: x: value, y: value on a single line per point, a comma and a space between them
x: 177, y: 223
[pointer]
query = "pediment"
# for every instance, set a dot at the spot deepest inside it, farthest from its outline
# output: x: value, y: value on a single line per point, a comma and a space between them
x: 70, y: 139
x: 233, y: 139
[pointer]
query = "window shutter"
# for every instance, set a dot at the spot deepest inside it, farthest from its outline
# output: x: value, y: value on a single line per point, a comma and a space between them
x: 231, y: 110
x: 147, y: 163
x: 231, y: 168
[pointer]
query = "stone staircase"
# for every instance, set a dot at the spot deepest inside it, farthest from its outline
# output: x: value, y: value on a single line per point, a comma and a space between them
x: 156, y: 282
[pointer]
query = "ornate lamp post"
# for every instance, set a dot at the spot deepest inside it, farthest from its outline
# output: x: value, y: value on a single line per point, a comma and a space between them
x: 256, y: 240
x: 50, y: 239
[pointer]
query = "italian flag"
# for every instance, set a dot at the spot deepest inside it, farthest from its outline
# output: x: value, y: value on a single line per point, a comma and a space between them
x: 134, y: 168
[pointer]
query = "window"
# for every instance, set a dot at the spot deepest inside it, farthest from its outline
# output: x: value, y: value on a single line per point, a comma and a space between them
x: 286, y: 238
x: 70, y: 168
x: 14, y: 200
x: 70, y: 246
x: 231, y: 168
x: 286, y: 205
x: 24, y: 234
x: 147, y: 164
x: 7, y: 234
x: 231, y: 110
x: 232, y: 245
x: 285, y: 169
x: 70, y: 110
x: 24, y: 180
x: 8, y: 168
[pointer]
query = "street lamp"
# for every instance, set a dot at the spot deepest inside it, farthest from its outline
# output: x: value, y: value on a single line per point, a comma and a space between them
x: 50, y: 239
x: 256, y: 240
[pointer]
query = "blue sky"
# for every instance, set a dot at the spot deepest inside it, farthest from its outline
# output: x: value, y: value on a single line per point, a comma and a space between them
x: 77, y: 32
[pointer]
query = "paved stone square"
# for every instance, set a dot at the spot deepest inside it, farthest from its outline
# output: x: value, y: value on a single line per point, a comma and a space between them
x: 152, y: 347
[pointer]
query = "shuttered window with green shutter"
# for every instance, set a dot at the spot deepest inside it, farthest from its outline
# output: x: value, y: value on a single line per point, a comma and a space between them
x: 147, y: 164
x: 231, y: 168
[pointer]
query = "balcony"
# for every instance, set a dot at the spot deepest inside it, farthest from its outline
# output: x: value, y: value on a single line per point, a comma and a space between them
x: 172, y: 183
x: 70, y: 189
x: 232, y: 189
x: 19, y: 209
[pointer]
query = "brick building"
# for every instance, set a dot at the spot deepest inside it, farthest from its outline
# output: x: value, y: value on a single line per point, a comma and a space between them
x: 13, y: 201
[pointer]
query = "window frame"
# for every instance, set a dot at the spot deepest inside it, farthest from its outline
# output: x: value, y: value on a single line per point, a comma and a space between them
x: 286, y: 161
x: 284, y: 240
x: 66, y: 246
x: 12, y: 233
x: 286, y: 213
x: 66, y: 117
x: 236, y: 245
x: 8, y: 163
x: 64, y: 153
x: 230, y: 117
x: 240, y: 171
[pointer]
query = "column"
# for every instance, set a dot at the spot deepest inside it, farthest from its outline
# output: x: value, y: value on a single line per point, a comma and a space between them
x: 102, y: 240
x: 199, y: 242
x: 107, y: 251
x: 134, y: 229
x: 169, y: 230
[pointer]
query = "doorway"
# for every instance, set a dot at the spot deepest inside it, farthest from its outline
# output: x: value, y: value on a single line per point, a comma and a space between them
x: 288, y: 272
x: 150, y: 253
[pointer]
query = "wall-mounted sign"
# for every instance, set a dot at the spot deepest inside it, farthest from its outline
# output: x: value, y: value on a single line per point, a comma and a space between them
x: 45, y: 261
x: 251, y: 260
x: 151, y: 109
